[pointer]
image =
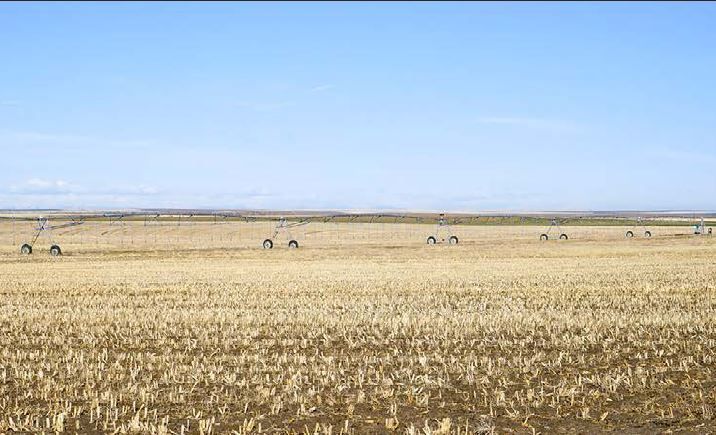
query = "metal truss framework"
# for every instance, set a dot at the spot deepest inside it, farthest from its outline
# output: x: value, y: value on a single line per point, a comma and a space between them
x: 639, y: 223
x: 554, y: 228
x: 283, y: 225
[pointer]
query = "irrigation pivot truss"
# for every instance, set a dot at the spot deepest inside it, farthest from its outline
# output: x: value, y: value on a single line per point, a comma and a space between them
x: 268, y: 228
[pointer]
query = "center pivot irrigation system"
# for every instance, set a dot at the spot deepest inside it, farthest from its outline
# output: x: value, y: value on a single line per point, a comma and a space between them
x: 282, y: 229
x: 554, y: 226
x: 44, y: 228
x: 638, y: 224
x: 700, y: 228
x: 442, y: 232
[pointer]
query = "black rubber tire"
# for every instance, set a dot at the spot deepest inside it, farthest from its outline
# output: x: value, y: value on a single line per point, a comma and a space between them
x: 710, y: 231
x: 431, y: 240
x: 293, y: 244
x: 26, y: 249
x: 629, y: 234
x: 453, y: 240
x: 268, y: 244
x: 544, y: 237
x: 647, y: 234
x: 563, y: 236
x: 55, y: 251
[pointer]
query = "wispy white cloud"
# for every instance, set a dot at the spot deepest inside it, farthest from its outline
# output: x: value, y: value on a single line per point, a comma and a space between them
x: 264, y: 106
x: 35, y: 136
x: 321, y: 88
x: 682, y: 155
x: 55, y: 193
x: 529, y: 122
x: 41, y: 186
x: 270, y: 106
x: 68, y: 141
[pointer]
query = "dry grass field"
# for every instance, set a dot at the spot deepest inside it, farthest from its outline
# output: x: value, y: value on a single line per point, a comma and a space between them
x: 361, y: 330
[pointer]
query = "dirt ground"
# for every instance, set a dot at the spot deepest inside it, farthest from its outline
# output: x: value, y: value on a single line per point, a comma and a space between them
x: 200, y: 331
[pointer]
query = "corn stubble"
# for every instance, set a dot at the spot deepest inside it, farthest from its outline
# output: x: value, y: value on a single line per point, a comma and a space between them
x: 493, y: 336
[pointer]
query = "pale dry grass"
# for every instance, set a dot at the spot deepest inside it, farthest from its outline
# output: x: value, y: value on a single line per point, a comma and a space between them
x: 501, y: 333
x: 94, y: 236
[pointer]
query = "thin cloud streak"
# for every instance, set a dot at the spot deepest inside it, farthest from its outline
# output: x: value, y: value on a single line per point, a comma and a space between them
x: 321, y: 88
x: 528, y: 122
x: 69, y: 141
x: 264, y: 106
x: 40, y: 186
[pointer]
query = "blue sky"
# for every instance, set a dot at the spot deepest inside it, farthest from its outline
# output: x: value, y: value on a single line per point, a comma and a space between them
x: 477, y: 106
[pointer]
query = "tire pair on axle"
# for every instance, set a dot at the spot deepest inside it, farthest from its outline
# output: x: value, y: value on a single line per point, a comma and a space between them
x: 453, y: 240
x: 546, y: 236
x: 629, y: 234
x: 55, y: 250
x: 268, y: 244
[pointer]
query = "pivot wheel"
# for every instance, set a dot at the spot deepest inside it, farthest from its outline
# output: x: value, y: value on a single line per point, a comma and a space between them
x: 26, y: 249
x: 629, y: 234
x: 647, y: 234
x: 268, y: 244
x: 710, y: 230
x: 544, y: 237
x: 431, y: 240
x: 453, y: 240
x: 563, y: 236
x: 293, y: 244
x: 55, y: 251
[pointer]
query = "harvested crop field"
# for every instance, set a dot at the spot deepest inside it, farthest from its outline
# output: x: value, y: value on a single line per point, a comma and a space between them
x: 500, y: 333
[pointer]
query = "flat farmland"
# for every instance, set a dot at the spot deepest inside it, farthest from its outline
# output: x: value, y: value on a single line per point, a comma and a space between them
x: 101, y: 236
x: 364, y: 329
